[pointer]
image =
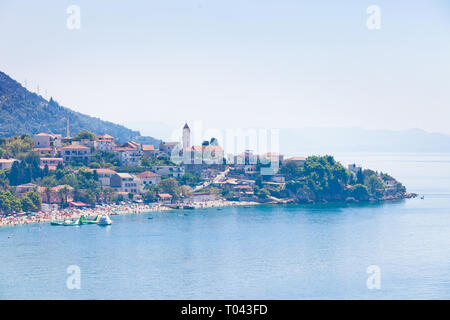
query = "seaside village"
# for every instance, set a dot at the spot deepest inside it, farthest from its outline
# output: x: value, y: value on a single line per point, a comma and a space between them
x: 126, y: 177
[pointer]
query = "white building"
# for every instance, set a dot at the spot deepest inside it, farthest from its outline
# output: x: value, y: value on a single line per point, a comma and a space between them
x: 105, y: 142
x: 87, y: 143
x: 169, y: 171
x: 128, y: 156
x: 7, y: 163
x: 125, y: 182
x: 52, y: 163
x: 76, y: 153
x: 354, y: 168
x: 46, y: 140
x: 149, y: 178
x: 168, y: 147
x: 300, y: 161
x: 104, y: 176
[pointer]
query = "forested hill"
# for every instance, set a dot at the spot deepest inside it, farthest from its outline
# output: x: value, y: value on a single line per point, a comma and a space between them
x: 24, y: 112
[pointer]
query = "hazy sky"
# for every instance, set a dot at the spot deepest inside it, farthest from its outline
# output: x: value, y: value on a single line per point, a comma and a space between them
x: 237, y: 63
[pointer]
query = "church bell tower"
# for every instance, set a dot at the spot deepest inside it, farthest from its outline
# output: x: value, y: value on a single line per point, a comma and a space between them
x: 186, y: 136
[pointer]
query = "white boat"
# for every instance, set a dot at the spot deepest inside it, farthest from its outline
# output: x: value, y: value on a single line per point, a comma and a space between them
x: 104, y: 220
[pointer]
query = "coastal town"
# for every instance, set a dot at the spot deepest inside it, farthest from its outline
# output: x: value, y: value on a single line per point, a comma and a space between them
x: 48, y: 177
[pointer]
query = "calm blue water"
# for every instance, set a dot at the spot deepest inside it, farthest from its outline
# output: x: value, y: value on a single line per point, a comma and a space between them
x: 290, y: 252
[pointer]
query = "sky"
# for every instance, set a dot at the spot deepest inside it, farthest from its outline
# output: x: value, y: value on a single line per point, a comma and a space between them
x: 236, y: 63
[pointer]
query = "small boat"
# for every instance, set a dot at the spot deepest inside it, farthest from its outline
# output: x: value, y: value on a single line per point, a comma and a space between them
x: 422, y: 197
x: 104, y: 220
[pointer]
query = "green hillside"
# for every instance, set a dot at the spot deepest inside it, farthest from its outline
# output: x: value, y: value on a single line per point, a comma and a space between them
x: 24, y: 112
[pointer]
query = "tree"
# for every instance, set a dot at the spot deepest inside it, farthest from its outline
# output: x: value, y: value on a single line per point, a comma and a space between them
x: 290, y: 170
x: 14, y: 174
x: 359, y: 177
x: 375, y: 185
x: 84, y: 134
x: 171, y: 187
x: 94, y: 165
x: 64, y: 193
x: 27, y: 204
x: 360, y: 192
x: 150, y: 196
x: 45, y: 172
x: 190, y: 178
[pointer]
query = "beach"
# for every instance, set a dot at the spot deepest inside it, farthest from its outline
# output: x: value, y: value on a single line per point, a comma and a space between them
x: 111, y: 209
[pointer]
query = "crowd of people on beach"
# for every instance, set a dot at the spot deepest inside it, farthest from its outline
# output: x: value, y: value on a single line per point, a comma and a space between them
x: 112, y: 209
x: 74, y: 213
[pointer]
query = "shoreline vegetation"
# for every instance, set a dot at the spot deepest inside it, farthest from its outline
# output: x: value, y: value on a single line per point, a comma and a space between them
x: 90, y: 175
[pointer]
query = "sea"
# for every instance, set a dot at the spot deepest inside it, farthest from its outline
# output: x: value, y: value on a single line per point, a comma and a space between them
x: 390, y: 250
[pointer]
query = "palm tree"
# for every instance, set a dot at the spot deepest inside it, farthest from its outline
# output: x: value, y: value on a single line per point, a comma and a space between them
x: 63, y: 193
x: 48, y: 191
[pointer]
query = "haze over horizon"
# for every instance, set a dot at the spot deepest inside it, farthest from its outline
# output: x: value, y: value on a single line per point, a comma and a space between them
x: 237, y: 64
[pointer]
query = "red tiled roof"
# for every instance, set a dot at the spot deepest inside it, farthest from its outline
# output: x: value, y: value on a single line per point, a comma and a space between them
x: 164, y: 195
x: 105, y: 136
x: 42, y: 149
x: 103, y: 170
x: 8, y: 160
x: 272, y: 154
x: 75, y: 146
x: 296, y: 159
x: 120, y: 149
x: 57, y: 188
x: 147, y: 174
x: 148, y: 147
x: 43, y: 134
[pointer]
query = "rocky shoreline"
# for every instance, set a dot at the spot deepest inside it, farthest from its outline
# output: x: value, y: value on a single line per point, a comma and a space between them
x: 395, y: 197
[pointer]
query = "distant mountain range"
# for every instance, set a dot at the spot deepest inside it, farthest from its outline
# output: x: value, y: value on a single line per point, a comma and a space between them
x: 24, y: 112
x: 349, y: 139
x: 316, y: 140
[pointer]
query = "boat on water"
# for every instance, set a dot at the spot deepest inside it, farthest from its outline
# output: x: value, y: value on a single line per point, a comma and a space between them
x: 105, y: 220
